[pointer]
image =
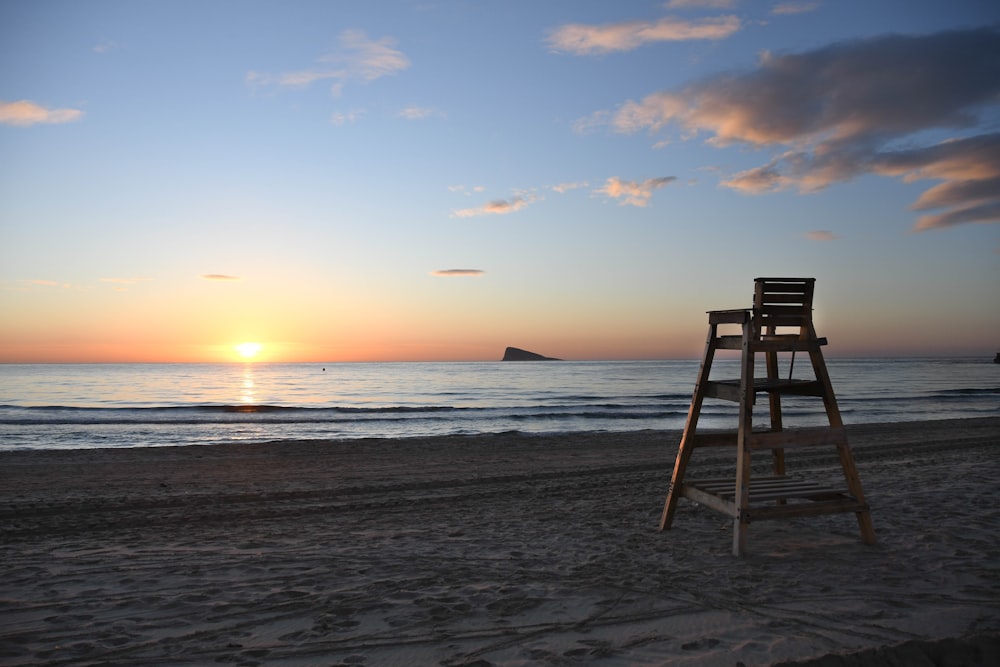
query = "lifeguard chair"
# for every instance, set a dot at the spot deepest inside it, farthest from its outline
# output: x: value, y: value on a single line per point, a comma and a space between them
x: 779, y: 322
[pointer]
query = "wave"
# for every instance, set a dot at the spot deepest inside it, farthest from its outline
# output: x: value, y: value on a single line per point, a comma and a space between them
x: 209, y: 408
x: 275, y: 414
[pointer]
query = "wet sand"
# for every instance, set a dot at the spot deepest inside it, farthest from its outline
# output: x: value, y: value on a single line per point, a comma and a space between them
x: 491, y: 550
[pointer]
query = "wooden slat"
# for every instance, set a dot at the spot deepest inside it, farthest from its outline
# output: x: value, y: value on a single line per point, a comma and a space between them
x: 730, y: 389
x: 797, y: 309
x: 797, y: 297
x: 785, y: 345
x: 710, y: 500
x: 735, y: 316
x: 720, y: 494
x: 729, y: 343
x: 725, y: 390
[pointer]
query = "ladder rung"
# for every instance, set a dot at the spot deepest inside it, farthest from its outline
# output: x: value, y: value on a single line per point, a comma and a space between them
x: 764, y: 489
x: 729, y: 343
x: 729, y: 390
x: 795, y: 344
x: 736, y: 316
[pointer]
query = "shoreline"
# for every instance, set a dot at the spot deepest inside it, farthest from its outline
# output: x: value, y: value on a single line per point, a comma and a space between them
x: 495, y: 549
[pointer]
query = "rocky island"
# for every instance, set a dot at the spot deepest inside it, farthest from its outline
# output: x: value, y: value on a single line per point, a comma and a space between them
x: 517, y: 354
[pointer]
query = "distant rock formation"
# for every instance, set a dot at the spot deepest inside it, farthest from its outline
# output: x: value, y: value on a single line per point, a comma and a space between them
x: 517, y: 354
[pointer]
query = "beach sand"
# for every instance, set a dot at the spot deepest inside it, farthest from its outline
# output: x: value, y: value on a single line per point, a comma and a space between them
x: 492, y: 550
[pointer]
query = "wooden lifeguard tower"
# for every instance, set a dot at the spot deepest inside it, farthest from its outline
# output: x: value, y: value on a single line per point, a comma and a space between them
x: 780, y: 321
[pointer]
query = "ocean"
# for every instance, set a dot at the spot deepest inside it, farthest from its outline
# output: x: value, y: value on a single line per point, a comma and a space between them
x: 73, y: 406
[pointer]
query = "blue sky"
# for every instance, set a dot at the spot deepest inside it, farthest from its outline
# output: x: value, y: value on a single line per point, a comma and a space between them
x: 438, y: 180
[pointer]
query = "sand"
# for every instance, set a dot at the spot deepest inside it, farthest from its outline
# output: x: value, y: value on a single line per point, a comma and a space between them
x: 492, y: 550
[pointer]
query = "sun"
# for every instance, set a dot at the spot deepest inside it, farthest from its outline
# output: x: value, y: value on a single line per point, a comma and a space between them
x: 248, y: 350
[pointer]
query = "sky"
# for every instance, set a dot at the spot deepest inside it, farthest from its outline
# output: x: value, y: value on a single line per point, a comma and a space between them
x: 437, y: 180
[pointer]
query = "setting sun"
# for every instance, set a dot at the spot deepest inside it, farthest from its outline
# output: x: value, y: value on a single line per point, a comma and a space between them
x: 248, y: 350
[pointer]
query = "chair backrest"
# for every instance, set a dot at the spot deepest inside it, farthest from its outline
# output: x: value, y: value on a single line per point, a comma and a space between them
x: 782, y: 302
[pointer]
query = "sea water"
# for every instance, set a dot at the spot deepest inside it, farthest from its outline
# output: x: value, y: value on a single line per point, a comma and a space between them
x: 58, y: 406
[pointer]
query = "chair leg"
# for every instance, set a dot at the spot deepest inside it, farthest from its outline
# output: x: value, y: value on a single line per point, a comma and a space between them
x: 844, y: 453
x: 741, y: 521
x: 690, y: 428
x: 774, y: 406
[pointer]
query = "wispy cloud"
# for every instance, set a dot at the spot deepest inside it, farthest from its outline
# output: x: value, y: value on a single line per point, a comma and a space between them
x: 222, y: 277
x: 466, y: 189
x: 357, y: 58
x: 107, y: 46
x: 24, y: 113
x: 821, y: 235
x: 419, y: 113
x: 633, y: 193
x: 458, y: 273
x: 497, y: 207
x: 701, y: 4
x: 842, y: 111
x: 795, y: 7
x: 346, y: 117
x: 581, y: 39
x: 563, y: 188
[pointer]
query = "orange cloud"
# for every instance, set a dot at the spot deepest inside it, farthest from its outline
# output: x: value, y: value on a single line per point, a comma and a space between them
x: 795, y: 7
x: 24, y: 113
x: 842, y: 108
x: 357, y: 58
x: 821, y: 235
x: 496, y: 207
x: 633, y: 193
x: 458, y: 273
x: 580, y: 39
x: 563, y: 188
x: 700, y: 4
x: 220, y: 276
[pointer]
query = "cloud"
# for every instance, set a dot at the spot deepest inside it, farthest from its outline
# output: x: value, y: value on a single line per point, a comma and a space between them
x: 633, y: 193
x: 106, y: 46
x: 497, y: 207
x: 25, y: 113
x: 418, y: 113
x: 845, y: 109
x: 580, y: 39
x: 457, y: 273
x: 700, y: 4
x: 821, y: 235
x: 357, y: 58
x: 346, y: 117
x: 563, y: 188
x: 795, y: 7
x: 467, y: 190
x: 220, y: 277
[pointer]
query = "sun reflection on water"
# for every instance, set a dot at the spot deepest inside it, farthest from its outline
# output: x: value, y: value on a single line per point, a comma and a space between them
x: 248, y: 395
